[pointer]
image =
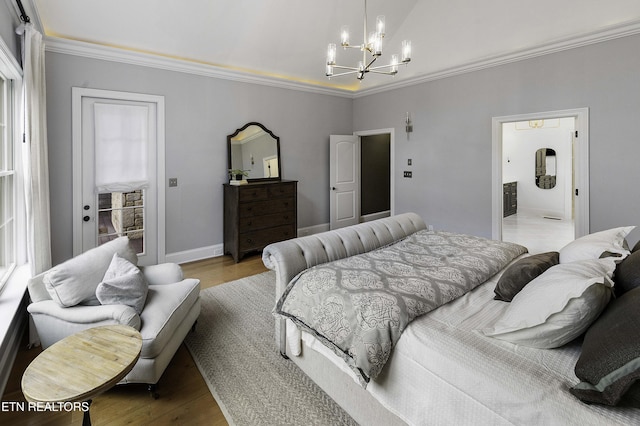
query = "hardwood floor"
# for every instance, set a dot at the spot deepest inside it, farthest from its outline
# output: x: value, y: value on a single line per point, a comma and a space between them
x: 184, y: 395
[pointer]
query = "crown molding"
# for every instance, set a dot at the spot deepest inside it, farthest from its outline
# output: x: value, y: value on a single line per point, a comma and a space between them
x: 598, y: 36
x: 113, y: 54
x: 108, y: 53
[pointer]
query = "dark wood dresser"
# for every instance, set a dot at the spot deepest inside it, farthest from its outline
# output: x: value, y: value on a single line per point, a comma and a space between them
x: 509, y: 198
x: 258, y: 214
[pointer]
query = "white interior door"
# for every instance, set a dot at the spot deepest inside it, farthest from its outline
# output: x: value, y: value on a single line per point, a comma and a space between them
x: 344, y: 176
x: 118, y: 170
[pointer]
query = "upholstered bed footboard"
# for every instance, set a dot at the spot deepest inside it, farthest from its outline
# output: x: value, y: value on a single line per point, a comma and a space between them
x: 289, y: 258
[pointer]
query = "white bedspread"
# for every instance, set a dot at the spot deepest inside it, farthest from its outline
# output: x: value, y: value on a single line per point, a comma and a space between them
x: 442, y: 361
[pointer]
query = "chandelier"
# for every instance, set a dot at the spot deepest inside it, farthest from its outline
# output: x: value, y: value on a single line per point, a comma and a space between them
x: 372, y: 45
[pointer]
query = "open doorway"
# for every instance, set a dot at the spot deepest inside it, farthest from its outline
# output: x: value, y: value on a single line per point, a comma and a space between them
x: 537, y: 174
x: 375, y: 176
x: 379, y: 146
x: 540, y: 178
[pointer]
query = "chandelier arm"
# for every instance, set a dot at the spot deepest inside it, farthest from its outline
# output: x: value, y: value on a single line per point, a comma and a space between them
x: 384, y: 66
x: 383, y: 72
x: 345, y: 68
x: 343, y: 73
x: 368, y: 67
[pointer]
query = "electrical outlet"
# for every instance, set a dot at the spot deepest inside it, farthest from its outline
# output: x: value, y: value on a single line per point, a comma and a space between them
x: 173, y: 182
x: 408, y: 174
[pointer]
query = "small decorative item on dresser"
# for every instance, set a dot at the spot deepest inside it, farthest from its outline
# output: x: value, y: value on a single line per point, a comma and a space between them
x: 237, y: 177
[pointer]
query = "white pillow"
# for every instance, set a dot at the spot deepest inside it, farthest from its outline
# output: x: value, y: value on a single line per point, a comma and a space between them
x: 75, y: 281
x: 123, y: 284
x: 593, y: 245
x: 557, y: 306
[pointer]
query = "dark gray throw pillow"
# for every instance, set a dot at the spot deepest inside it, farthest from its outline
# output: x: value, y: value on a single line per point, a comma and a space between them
x: 627, y: 274
x: 610, y: 360
x: 522, y: 272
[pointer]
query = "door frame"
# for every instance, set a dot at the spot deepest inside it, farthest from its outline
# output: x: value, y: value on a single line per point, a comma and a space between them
x: 392, y: 160
x: 581, y: 166
x: 77, y: 93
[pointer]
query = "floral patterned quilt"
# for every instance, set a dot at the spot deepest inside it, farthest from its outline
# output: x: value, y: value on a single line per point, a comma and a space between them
x: 360, y: 305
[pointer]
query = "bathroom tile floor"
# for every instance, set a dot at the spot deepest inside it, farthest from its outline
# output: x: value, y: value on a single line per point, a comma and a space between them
x: 537, y: 233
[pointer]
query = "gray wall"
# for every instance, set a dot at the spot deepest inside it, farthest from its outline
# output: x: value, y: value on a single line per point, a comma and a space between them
x: 451, y: 142
x: 8, y: 22
x: 199, y: 112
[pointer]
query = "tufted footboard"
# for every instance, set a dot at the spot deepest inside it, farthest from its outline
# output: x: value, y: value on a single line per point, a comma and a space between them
x: 289, y: 258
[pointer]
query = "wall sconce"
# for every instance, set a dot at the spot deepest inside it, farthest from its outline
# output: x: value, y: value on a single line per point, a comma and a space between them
x: 408, y: 124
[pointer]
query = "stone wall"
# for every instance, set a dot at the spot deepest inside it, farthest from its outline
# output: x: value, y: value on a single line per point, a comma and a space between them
x: 127, y: 215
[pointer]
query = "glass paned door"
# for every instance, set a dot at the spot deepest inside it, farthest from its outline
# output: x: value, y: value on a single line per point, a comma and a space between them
x: 117, y: 144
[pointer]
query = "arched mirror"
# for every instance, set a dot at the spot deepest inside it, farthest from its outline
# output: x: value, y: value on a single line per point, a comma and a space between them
x: 546, y: 168
x: 254, y: 152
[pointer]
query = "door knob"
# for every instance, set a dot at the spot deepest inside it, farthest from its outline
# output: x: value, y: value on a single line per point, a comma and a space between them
x: 333, y: 188
x: 86, y: 207
x: 86, y: 218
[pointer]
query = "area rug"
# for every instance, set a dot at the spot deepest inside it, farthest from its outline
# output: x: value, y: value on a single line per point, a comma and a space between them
x: 234, y: 348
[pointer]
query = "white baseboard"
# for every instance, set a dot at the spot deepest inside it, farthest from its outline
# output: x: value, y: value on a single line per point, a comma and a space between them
x: 375, y: 216
x: 315, y: 229
x: 195, y: 254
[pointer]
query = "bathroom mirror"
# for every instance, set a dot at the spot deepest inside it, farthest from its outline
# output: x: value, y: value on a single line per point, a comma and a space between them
x: 546, y: 168
x: 255, y: 150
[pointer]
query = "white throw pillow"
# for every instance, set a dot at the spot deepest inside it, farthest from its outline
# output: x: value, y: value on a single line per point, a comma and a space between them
x: 75, y: 281
x: 557, y: 306
x: 593, y: 245
x: 123, y: 284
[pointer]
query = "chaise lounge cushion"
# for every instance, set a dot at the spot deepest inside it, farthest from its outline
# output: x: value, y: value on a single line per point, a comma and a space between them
x: 166, y: 307
x: 75, y: 281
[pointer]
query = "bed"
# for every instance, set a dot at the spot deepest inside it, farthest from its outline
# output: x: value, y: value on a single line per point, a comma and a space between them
x: 452, y: 364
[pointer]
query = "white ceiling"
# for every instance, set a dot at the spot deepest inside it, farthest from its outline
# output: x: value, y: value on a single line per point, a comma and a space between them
x: 287, y: 39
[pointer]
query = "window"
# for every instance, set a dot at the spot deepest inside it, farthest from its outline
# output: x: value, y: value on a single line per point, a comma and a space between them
x: 7, y: 182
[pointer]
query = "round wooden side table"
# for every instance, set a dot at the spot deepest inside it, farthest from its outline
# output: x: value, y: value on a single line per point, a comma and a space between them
x: 82, y: 366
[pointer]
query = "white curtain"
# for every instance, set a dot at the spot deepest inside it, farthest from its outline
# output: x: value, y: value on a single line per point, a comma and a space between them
x: 121, y: 140
x: 36, y: 158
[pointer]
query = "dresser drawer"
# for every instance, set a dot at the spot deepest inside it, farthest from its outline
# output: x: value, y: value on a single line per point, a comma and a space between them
x: 257, y: 240
x: 259, y: 208
x: 251, y: 223
x: 251, y: 193
x: 282, y: 190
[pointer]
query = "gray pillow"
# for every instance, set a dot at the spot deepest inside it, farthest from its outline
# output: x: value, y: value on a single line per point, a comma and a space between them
x: 522, y: 272
x: 123, y: 284
x: 74, y: 281
x: 610, y: 360
x: 627, y: 274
